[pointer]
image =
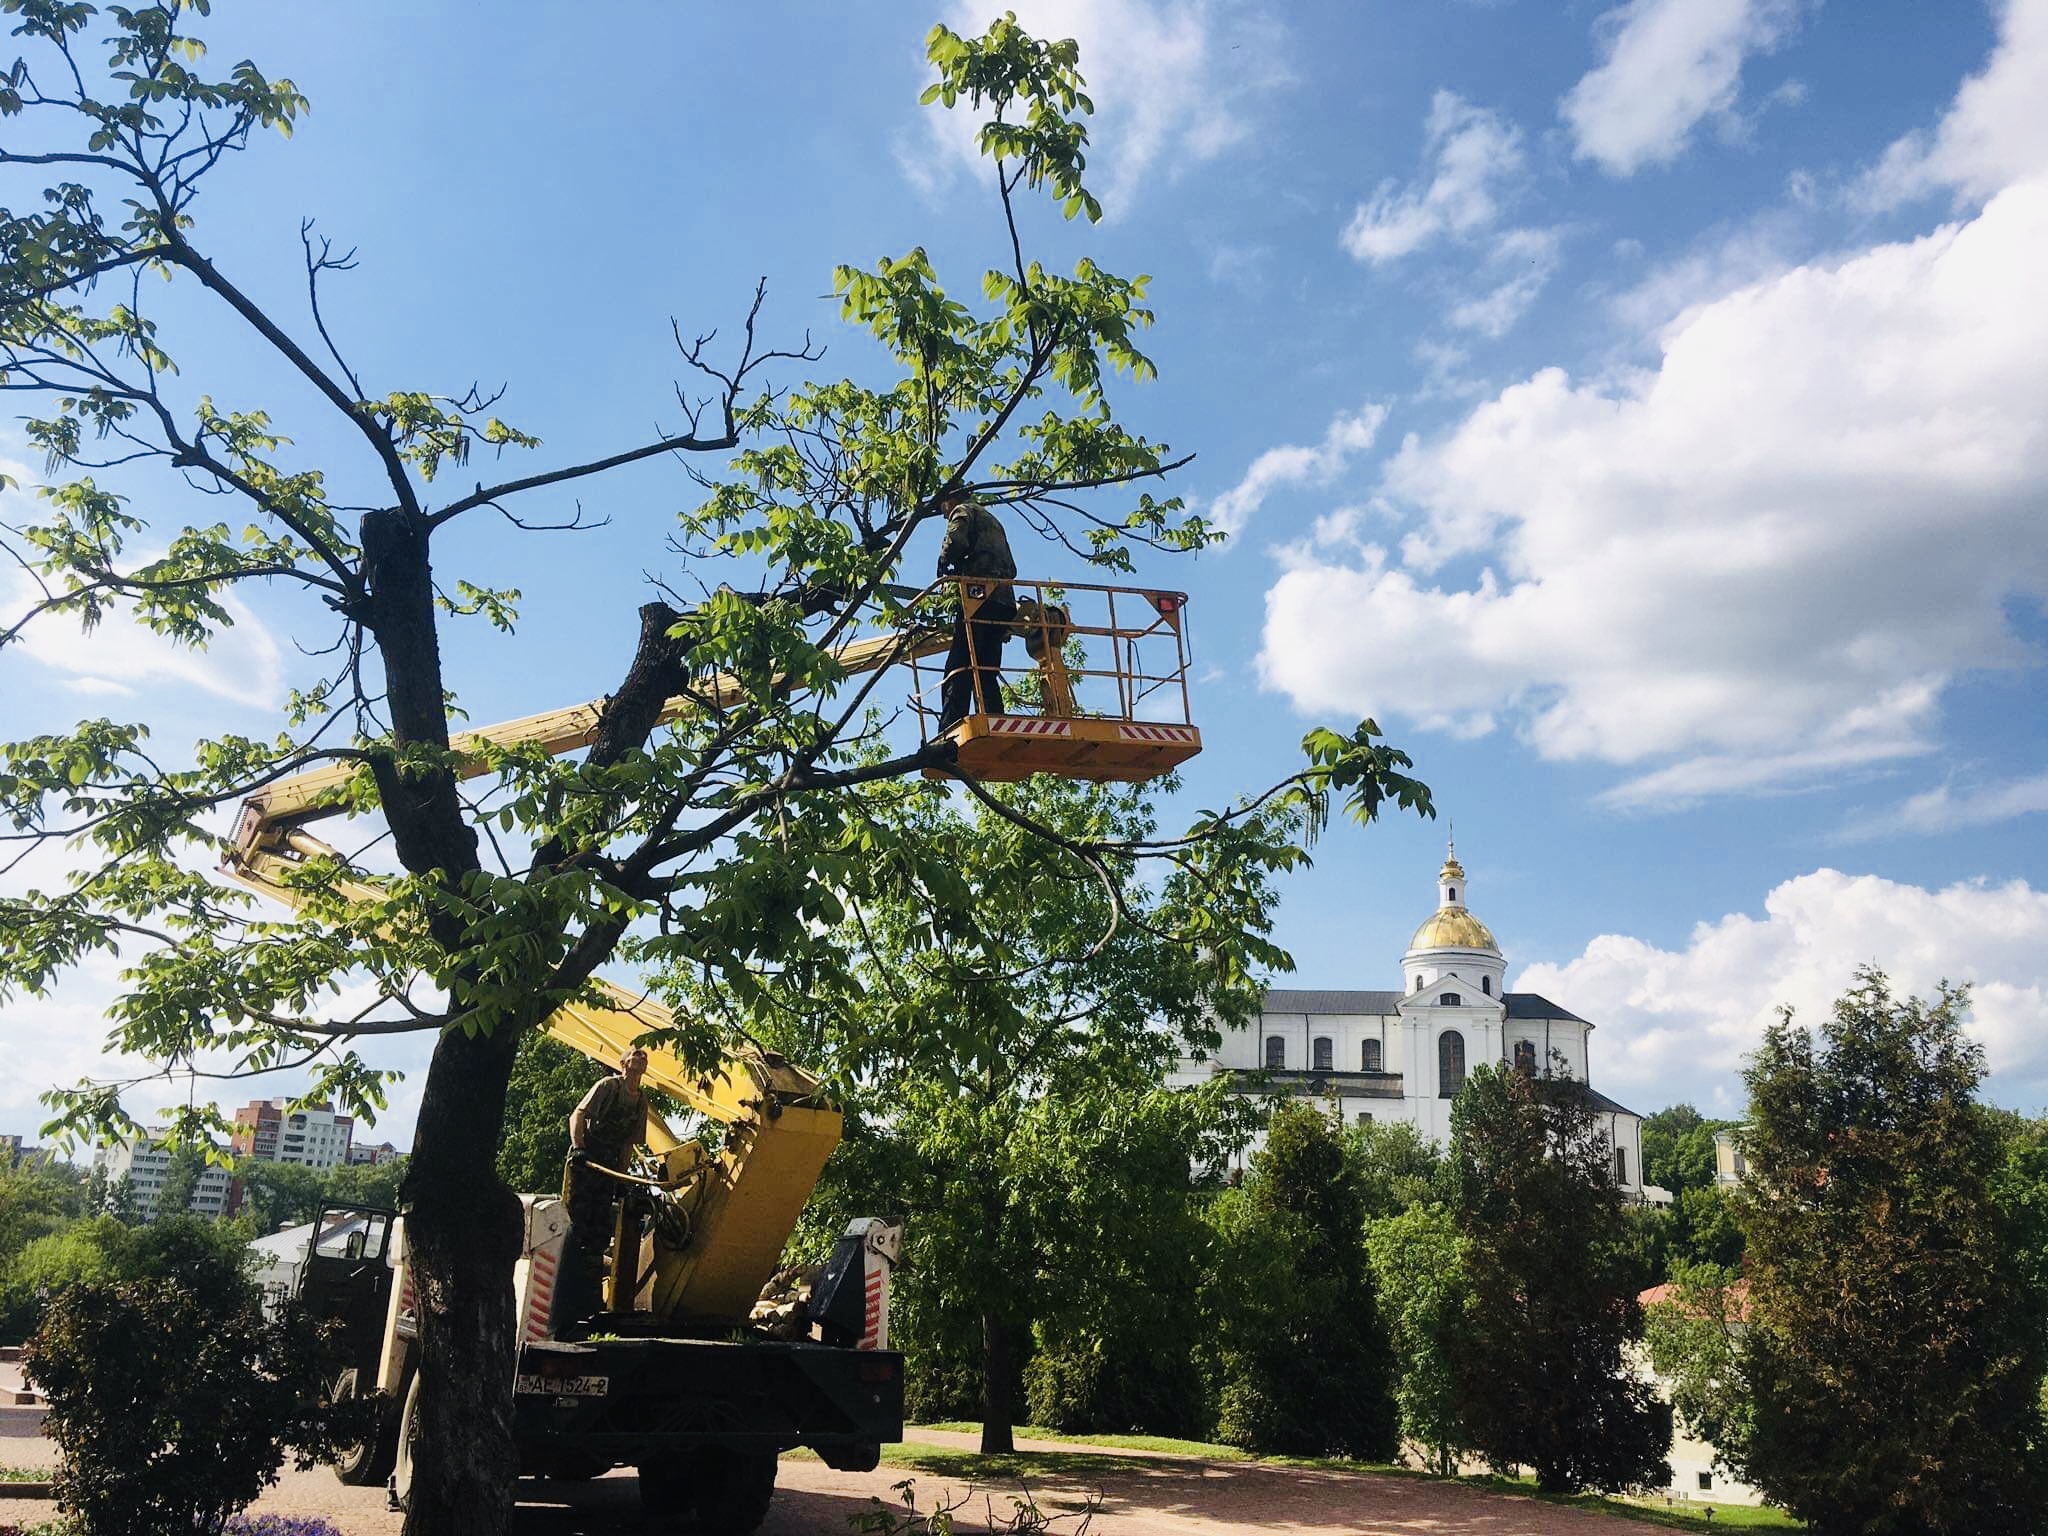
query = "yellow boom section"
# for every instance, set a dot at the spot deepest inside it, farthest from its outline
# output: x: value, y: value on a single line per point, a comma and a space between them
x: 740, y: 1203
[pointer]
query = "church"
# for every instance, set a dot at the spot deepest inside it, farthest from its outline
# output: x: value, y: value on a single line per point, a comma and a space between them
x: 1402, y: 1055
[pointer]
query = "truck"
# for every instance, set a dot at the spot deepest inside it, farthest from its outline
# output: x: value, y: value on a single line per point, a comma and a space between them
x: 701, y: 1410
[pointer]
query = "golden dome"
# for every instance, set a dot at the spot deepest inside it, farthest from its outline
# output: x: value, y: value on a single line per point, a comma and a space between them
x: 1453, y: 928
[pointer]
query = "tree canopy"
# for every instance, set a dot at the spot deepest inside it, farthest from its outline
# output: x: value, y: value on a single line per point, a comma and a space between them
x: 1874, y: 1174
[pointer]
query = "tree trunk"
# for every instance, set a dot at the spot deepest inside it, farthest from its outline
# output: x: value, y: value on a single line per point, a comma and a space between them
x: 463, y: 1235
x: 462, y: 1225
x: 997, y: 1438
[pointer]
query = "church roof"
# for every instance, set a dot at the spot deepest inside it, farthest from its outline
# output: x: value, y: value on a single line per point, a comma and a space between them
x: 1534, y: 1005
x: 1452, y: 927
x: 1313, y: 1000
x: 1520, y: 1005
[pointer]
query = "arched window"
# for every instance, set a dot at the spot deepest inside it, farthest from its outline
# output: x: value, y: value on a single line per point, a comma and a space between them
x: 1486, y: 985
x: 1525, y: 1057
x: 1323, y: 1054
x: 1453, y: 893
x: 1451, y: 1000
x: 1418, y: 983
x: 1450, y: 1063
x: 1370, y: 1057
x: 1621, y: 1165
x: 1276, y: 1051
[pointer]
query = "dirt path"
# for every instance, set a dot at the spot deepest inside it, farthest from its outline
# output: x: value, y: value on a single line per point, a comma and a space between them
x: 1144, y: 1494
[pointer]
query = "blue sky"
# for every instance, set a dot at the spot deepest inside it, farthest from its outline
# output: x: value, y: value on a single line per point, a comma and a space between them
x: 1634, y: 408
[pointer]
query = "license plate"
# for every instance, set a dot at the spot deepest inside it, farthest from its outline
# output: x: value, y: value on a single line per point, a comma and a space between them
x: 563, y: 1386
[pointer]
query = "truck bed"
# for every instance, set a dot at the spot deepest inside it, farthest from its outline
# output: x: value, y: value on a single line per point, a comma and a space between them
x: 629, y: 1401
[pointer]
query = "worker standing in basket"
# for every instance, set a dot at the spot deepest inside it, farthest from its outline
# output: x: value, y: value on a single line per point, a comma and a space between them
x: 976, y: 546
x: 603, y: 1131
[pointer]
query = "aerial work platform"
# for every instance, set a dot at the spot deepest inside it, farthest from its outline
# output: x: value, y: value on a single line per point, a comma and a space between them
x: 1104, y: 694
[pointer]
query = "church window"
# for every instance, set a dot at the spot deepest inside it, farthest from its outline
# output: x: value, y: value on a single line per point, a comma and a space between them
x: 1454, y: 893
x: 1451, y: 1000
x: 1365, y: 1117
x: 1323, y: 1054
x: 1370, y: 1057
x: 1418, y: 983
x: 1276, y: 1052
x: 1486, y: 985
x: 1621, y: 1165
x: 1706, y: 1482
x: 1525, y: 1057
x: 1450, y: 1063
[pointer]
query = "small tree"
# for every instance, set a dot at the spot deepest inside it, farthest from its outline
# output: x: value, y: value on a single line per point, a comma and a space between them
x: 1304, y: 1366
x: 1543, y: 1379
x: 1896, y: 1343
x: 1418, y: 1263
x: 174, y: 1399
x: 1396, y: 1165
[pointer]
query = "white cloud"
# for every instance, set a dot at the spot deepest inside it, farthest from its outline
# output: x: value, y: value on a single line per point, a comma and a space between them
x: 1666, y: 66
x: 1676, y: 1024
x: 1945, y: 808
x: 1523, y: 261
x: 1296, y: 464
x: 1471, y: 157
x: 1764, y: 558
x: 1171, y: 83
x: 1995, y: 132
x: 119, y: 658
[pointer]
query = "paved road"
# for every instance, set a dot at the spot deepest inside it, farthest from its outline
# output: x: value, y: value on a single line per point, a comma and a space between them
x: 1150, y: 1496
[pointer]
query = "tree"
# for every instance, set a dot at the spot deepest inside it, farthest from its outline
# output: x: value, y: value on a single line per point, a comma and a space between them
x: 1874, y: 1176
x: 278, y: 1195
x: 1396, y: 1165
x: 375, y: 1184
x: 1678, y: 1148
x: 37, y: 1198
x: 996, y: 1010
x: 1707, y: 1227
x: 1551, y: 1308
x: 174, y: 1399
x: 657, y: 846
x: 1418, y: 1263
x: 1303, y: 1361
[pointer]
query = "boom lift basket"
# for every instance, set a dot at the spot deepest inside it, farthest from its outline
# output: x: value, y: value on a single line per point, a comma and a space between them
x: 1106, y: 696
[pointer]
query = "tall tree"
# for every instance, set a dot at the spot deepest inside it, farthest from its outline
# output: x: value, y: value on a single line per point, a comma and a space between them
x: 363, y: 556
x: 1304, y: 1365
x: 1552, y: 1309
x: 1896, y: 1341
x: 998, y: 1010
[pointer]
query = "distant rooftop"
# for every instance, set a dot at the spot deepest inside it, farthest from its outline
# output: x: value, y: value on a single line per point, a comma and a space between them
x: 1520, y: 1005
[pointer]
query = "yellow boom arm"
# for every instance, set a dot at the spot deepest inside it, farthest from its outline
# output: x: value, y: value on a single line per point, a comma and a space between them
x: 739, y: 1204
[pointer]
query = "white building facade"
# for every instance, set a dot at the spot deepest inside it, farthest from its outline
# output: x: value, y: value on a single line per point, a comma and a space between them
x: 1402, y: 1055
x: 145, y: 1164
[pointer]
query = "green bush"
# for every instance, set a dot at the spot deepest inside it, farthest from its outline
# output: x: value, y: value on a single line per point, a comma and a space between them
x: 174, y: 1398
x: 1104, y: 1383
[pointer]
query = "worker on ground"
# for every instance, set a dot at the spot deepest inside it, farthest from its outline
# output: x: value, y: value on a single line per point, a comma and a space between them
x: 603, y: 1131
x: 976, y: 546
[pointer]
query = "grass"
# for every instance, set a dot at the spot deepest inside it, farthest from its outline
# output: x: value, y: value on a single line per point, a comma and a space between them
x: 947, y: 1461
x: 24, y: 1474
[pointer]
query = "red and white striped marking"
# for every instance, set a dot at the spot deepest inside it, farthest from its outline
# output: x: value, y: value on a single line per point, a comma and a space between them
x: 1181, y: 734
x: 1024, y: 725
x: 871, y: 1330
x: 540, y: 1295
